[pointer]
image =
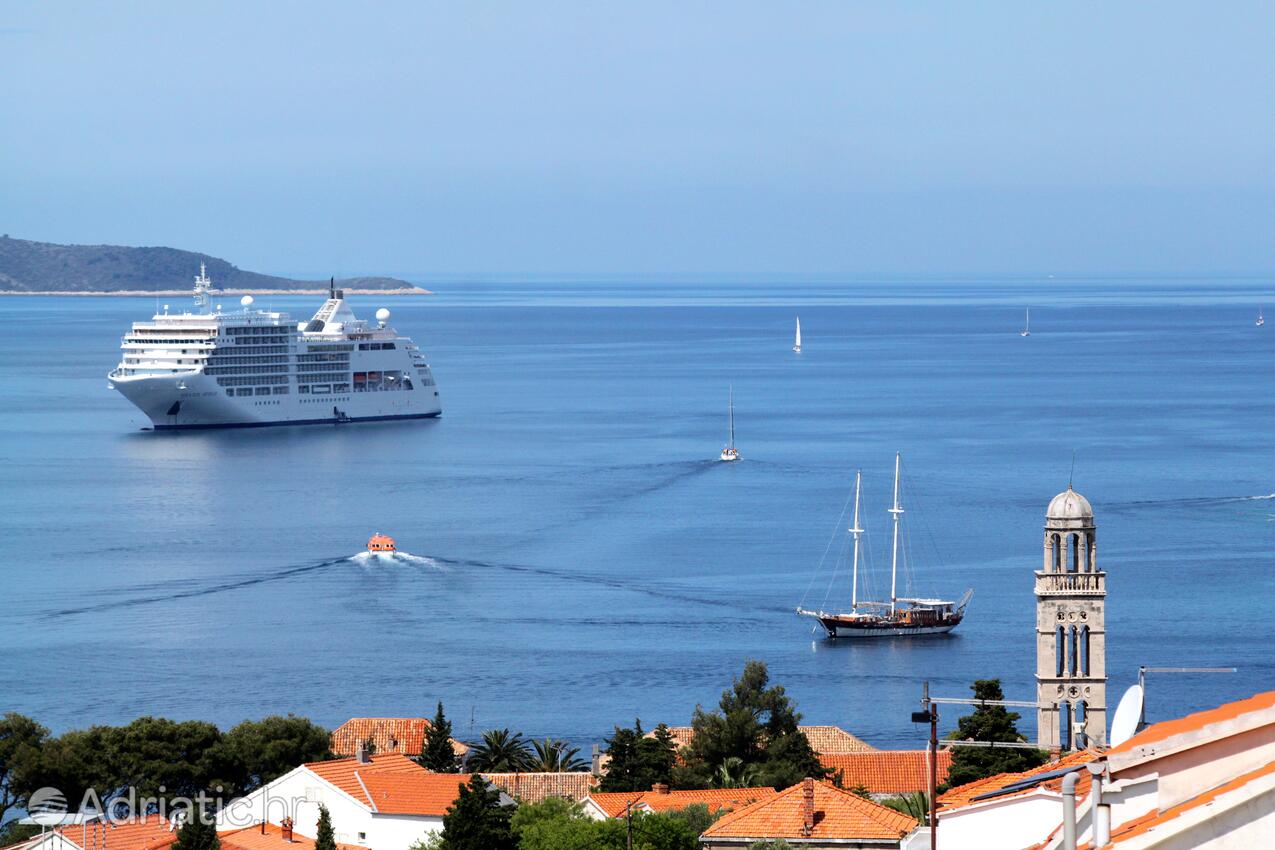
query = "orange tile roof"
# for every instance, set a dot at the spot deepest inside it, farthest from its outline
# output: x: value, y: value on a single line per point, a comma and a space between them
x: 833, y: 740
x: 887, y: 771
x: 963, y: 795
x: 823, y: 739
x: 148, y: 833
x: 838, y: 814
x: 1199, y: 720
x: 403, y: 735
x: 269, y: 837
x: 1152, y: 819
x: 613, y: 803
x: 392, y: 783
x: 535, y: 787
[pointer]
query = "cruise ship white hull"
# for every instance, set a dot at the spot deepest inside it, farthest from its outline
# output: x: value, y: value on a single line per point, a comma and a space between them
x: 252, y: 368
x: 194, y: 400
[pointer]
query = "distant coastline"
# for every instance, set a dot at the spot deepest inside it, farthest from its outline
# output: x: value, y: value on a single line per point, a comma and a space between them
x: 45, y: 268
x: 413, y: 290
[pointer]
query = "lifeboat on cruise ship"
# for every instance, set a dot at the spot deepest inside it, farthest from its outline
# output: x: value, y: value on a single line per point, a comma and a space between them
x: 381, y: 543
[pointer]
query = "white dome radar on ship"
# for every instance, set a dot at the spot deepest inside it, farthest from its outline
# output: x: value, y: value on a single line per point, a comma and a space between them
x: 246, y: 301
x: 382, y: 316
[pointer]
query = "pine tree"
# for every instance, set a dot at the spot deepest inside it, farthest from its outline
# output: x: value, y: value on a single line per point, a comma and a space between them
x: 989, y: 723
x: 197, y: 833
x: 437, y: 753
x: 477, y: 820
x: 324, y: 838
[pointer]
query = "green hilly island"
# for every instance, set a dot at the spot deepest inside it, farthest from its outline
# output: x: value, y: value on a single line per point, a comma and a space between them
x: 29, y: 267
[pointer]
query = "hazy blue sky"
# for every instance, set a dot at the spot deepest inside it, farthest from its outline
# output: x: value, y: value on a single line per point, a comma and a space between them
x: 688, y: 137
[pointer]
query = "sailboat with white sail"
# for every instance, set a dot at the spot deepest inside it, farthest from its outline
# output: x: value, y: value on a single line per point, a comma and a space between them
x: 730, y: 452
x: 1027, y: 327
x: 1261, y: 320
x: 796, y: 346
x: 900, y: 616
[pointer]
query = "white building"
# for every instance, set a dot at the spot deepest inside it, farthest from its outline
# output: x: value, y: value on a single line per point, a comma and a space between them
x: 1205, y: 781
x: 385, y: 802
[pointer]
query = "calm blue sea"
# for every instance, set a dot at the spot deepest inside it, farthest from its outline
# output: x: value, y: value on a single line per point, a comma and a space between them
x: 583, y: 559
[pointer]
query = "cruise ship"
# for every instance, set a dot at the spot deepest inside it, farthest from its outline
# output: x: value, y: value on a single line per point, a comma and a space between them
x: 251, y: 368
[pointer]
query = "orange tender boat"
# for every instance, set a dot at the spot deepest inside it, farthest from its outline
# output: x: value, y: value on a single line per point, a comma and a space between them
x: 381, y: 543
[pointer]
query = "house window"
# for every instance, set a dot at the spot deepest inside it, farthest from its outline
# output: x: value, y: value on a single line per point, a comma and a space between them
x: 362, y: 836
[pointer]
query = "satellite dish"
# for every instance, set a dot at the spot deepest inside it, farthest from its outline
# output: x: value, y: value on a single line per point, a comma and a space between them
x: 246, y: 300
x: 382, y: 315
x: 1124, y: 725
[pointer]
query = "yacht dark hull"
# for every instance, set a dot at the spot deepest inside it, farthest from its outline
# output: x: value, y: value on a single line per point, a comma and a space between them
x: 842, y: 626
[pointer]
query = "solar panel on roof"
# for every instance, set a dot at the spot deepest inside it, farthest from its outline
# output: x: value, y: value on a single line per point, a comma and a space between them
x: 1024, y: 784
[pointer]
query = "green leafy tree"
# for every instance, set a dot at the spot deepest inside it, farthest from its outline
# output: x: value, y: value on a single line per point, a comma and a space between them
x: 21, y: 740
x: 437, y: 752
x: 560, y: 825
x: 324, y: 837
x: 915, y: 805
x: 774, y: 844
x: 555, y: 756
x: 861, y: 790
x: 500, y: 751
x: 697, y: 817
x: 477, y: 820
x: 989, y: 723
x: 199, y: 832
x: 257, y: 752
x: 637, y: 760
x: 755, y: 723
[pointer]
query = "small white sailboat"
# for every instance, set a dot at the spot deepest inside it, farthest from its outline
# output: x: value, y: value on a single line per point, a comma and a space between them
x: 796, y: 346
x: 730, y: 452
x: 1261, y: 320
x: 1027, y: 328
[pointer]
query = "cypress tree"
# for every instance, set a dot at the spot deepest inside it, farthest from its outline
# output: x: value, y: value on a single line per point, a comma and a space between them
x: 437, y: 753
x: 197, y: 833
x: 477, y: 821
x: 989, y: 723
x: 324, y: 838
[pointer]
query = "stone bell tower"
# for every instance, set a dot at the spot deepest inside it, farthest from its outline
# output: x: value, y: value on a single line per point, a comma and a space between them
x: 1071, y: 634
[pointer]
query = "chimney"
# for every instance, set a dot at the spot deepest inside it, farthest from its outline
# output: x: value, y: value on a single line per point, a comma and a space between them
x: 362, y: 755
x: 285, y: 829
x: 807, y: 807
x: 595, y: 765
x: 659, y: 788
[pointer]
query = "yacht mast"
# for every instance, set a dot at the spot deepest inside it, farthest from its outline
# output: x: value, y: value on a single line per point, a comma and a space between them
x: 732, y: 416
x: 857, y: 532
x: 897, y: 511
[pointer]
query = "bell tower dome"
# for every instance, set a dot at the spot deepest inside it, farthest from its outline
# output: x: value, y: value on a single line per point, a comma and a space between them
x: 1071, y: 634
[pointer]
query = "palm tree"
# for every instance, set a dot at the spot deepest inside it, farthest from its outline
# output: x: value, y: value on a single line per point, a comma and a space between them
x: 552, y: 755
x: 733, y: 773
x: 500, y: 751
x: 915, y: 805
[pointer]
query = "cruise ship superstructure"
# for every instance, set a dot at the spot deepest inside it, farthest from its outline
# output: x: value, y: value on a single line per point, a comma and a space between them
x: 247, y: 368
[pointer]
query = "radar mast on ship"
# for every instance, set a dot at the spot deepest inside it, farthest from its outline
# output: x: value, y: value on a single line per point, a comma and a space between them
x: 203, y: 285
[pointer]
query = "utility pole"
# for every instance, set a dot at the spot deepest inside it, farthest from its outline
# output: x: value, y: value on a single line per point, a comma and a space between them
x: 628, y: 821
x: 931, y: 715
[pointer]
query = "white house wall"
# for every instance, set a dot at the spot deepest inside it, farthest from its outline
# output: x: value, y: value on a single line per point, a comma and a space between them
x: 299, y: 794
x: 1010, y: 825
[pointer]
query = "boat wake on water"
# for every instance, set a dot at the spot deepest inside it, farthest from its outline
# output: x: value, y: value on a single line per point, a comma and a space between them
x: 378, y: 558
x: 188, y: 592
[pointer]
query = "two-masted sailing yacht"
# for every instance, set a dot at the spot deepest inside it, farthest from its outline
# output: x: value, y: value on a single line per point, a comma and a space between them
x: 730, y: 452
x: 900, y: 616
x: 1027, y: 326
x: 796, y: 346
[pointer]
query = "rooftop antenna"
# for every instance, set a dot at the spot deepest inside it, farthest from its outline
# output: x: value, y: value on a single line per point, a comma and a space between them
x: 1142, y: 681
